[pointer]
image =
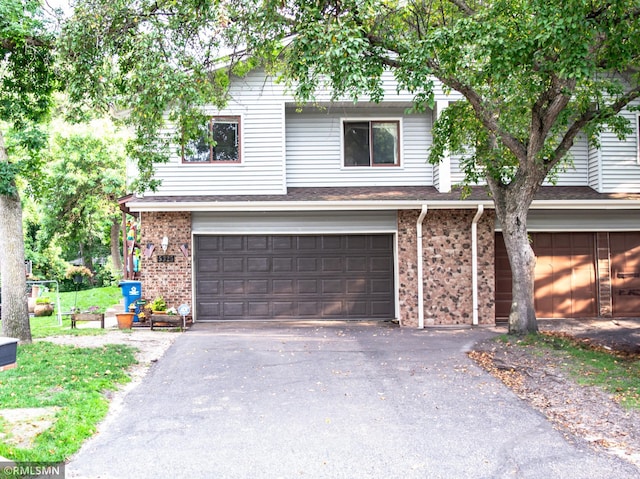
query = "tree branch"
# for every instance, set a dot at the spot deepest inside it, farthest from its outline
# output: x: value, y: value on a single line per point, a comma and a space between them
x: 464, y: 7
x: 567, y: 140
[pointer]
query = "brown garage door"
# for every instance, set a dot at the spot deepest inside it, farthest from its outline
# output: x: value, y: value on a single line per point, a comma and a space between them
x: 294, y: 277
x: 625, y: 273
x: 565, y: 277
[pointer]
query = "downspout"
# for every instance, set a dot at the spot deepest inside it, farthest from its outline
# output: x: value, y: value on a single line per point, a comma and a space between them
x: 474, y: 262
x: 420, y: 261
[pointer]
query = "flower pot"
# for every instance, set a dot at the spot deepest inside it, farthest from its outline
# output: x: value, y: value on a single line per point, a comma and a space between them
x: 43, y: 309
x: 125, y: 320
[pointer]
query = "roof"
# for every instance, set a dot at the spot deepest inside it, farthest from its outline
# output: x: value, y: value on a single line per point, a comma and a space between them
x: 380, y: 197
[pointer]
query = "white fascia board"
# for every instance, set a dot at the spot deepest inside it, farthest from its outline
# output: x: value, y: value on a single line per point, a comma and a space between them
x: 585, y: 204
x: 302, y: 205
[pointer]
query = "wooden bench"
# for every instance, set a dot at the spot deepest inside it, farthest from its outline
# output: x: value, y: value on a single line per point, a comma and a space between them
x: 167, y: 321
x: 87, y: 317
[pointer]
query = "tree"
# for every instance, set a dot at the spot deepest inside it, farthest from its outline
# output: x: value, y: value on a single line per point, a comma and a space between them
x: 150, y: 63
x: 85, y: 177
x: 26, y: 86
x: 533, y: 74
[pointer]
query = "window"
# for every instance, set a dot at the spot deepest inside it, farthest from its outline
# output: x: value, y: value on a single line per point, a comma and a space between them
x: 225, y: 133
x: 371, y: 143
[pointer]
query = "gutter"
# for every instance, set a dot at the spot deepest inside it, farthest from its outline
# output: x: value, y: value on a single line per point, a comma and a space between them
x: 420, y: 263
x: 474, y: 262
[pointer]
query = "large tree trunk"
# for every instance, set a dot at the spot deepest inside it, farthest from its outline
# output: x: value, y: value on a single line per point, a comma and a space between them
x: 522, y: 317
x: 116, y: 259
x: 15, y: 312
x: 512, y: 205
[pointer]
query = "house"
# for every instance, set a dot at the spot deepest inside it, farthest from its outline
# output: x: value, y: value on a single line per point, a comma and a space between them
x: 296, y: 214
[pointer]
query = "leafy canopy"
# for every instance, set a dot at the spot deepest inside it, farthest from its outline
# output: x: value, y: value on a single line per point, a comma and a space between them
x: 533, y: 73
x: 149, y: 62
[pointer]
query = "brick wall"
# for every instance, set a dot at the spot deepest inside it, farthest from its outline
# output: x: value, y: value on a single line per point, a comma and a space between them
x: 447, y: 267
x: 170, y: 280
x: 408, y: 268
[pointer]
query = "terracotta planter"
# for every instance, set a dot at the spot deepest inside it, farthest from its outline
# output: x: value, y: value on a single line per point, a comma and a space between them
x: 44, y: 309
x: 125, y: 320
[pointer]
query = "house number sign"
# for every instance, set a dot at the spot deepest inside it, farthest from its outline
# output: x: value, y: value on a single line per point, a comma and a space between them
x: 166, y: 258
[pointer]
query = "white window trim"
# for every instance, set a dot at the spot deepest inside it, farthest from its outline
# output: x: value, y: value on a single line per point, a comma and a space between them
x: 399, y: 166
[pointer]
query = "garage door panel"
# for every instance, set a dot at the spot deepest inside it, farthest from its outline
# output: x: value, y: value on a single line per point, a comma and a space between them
x: 356, y: 264
x: 282, y: 264
x: 257, y: 286
x: 309, y: 308
x: 204, y: 287
x: 258, y: 308
x: 258, y: 265
x: 356, y: 286
x: 307, y: 265
x: 208, y: 243
x: 282, y: 286
x: 307, y: 286
x: 257, y: 243
x: 625, y: 273
x: 332, y: 286
x: 209, y: 265
x: 230, y: 286
x: 210, y: 308
x: 565, y: 276
x: 232, y: 243
x: 289, y: 277
x: 282, y: 243
x: 232, y: 265
x: 233, y: 309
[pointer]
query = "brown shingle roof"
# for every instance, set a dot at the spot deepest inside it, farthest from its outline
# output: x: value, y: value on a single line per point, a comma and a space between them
x: 384, y: 193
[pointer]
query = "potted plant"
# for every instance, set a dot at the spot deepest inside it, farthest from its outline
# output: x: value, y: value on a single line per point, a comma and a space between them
x: 78, y: 273
x: 43, y: 306
x: 159, y: 305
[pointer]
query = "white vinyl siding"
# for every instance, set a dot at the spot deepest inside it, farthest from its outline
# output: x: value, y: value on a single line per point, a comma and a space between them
x: 314, y: 143
x: 577, y: 173
x: 260, y: 105
x: 620, y: 168
x: 594, y: 168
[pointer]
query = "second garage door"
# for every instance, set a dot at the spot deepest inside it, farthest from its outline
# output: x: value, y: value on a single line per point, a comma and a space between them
x: 290, y: 277
x: 565, y: 276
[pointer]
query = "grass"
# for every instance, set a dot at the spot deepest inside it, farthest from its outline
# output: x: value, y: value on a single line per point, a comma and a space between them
x: 72, y: 379
x: 44, y: 326
x: 75, y: 381
x: 591, y: 365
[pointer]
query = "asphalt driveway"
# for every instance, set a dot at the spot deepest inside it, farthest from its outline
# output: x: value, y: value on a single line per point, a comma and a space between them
x: 336, y: 400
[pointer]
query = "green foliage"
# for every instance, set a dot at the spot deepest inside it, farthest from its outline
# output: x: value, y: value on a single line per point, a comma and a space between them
x: 71, y: 379
x: 149, y: 62
x: 532, y: 73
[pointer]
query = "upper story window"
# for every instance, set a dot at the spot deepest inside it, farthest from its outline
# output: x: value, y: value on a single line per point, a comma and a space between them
x: 371, y: 143
x: 219, y: 142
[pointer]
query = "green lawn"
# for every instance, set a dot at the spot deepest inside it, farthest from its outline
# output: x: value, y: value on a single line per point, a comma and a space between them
x: 74, y: 382
x: 102, y: 297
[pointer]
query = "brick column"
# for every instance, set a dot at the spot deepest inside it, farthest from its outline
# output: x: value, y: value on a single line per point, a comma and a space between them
x: 172, y: 280
x: 408, y: 268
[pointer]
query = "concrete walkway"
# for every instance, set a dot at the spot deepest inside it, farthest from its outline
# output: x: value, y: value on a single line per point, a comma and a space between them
x: 339, y: 400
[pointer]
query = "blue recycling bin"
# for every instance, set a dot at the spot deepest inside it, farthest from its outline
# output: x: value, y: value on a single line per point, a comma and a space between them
x: 131, y: 291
